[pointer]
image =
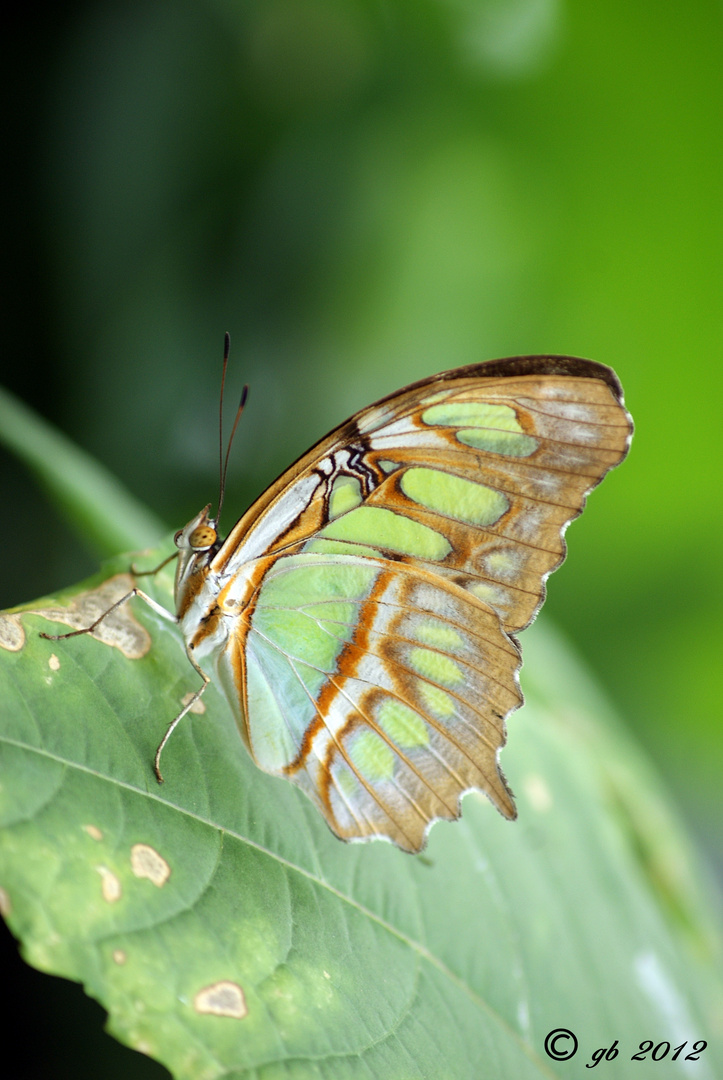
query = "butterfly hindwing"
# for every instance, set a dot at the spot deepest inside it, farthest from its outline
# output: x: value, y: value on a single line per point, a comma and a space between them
x: 380, y: 689
x: 378, y: 581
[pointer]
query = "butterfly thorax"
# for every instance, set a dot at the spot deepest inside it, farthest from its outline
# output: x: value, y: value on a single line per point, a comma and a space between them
x: 196, y: 597
x: 196, y: 543
x: 210, y: 600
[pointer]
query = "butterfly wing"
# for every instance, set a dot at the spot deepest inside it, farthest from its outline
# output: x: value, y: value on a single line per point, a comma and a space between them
x: 373, y: 591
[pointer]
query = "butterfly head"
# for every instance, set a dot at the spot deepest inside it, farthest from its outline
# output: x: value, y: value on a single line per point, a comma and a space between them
x: 196, y: 542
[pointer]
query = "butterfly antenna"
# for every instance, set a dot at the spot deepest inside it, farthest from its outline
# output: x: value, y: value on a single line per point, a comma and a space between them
x: 223, y: 459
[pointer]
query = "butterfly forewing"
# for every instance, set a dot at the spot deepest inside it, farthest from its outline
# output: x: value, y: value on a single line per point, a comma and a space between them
x: 369, y: 595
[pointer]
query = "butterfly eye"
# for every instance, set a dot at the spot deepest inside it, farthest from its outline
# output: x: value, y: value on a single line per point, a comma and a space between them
x: 177, y: 537
x: 202, y: 537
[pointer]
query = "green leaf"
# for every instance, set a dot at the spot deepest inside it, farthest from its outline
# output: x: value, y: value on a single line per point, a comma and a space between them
x: 224, y: 887
x: 107, y: 516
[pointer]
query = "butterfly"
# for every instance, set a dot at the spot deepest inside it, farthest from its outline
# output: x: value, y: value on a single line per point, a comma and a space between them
x: 361, y: 616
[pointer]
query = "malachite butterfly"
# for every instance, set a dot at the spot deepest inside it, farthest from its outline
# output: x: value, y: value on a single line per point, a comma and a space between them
x: 361, y: 615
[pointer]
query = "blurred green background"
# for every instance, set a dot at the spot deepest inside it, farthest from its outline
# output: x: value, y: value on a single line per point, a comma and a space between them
x: 364, y: 192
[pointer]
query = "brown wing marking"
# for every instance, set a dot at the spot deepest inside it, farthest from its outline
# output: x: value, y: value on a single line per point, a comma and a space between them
x: 427, y: 781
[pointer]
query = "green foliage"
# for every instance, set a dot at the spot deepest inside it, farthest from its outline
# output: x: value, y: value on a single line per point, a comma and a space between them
x: 334, y: 960
x: 363, y: 194
x: 353, y: 960
x: 92, y: 499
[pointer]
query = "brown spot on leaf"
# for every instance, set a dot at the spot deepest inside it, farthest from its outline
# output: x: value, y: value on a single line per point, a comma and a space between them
x: 110, y: 885
x: 93, y: 832
x: 12, y: 635
x: 121, y: 629
x: 221, y: 999
x: 147, y: 863
x: 5, y: 906
x: 199, y: 707
x: 119, y: 956
x: 54, y: 663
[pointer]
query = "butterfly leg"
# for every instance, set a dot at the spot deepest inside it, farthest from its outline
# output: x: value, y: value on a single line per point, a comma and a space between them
x: 150, y: 573
x: 176, y: 720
